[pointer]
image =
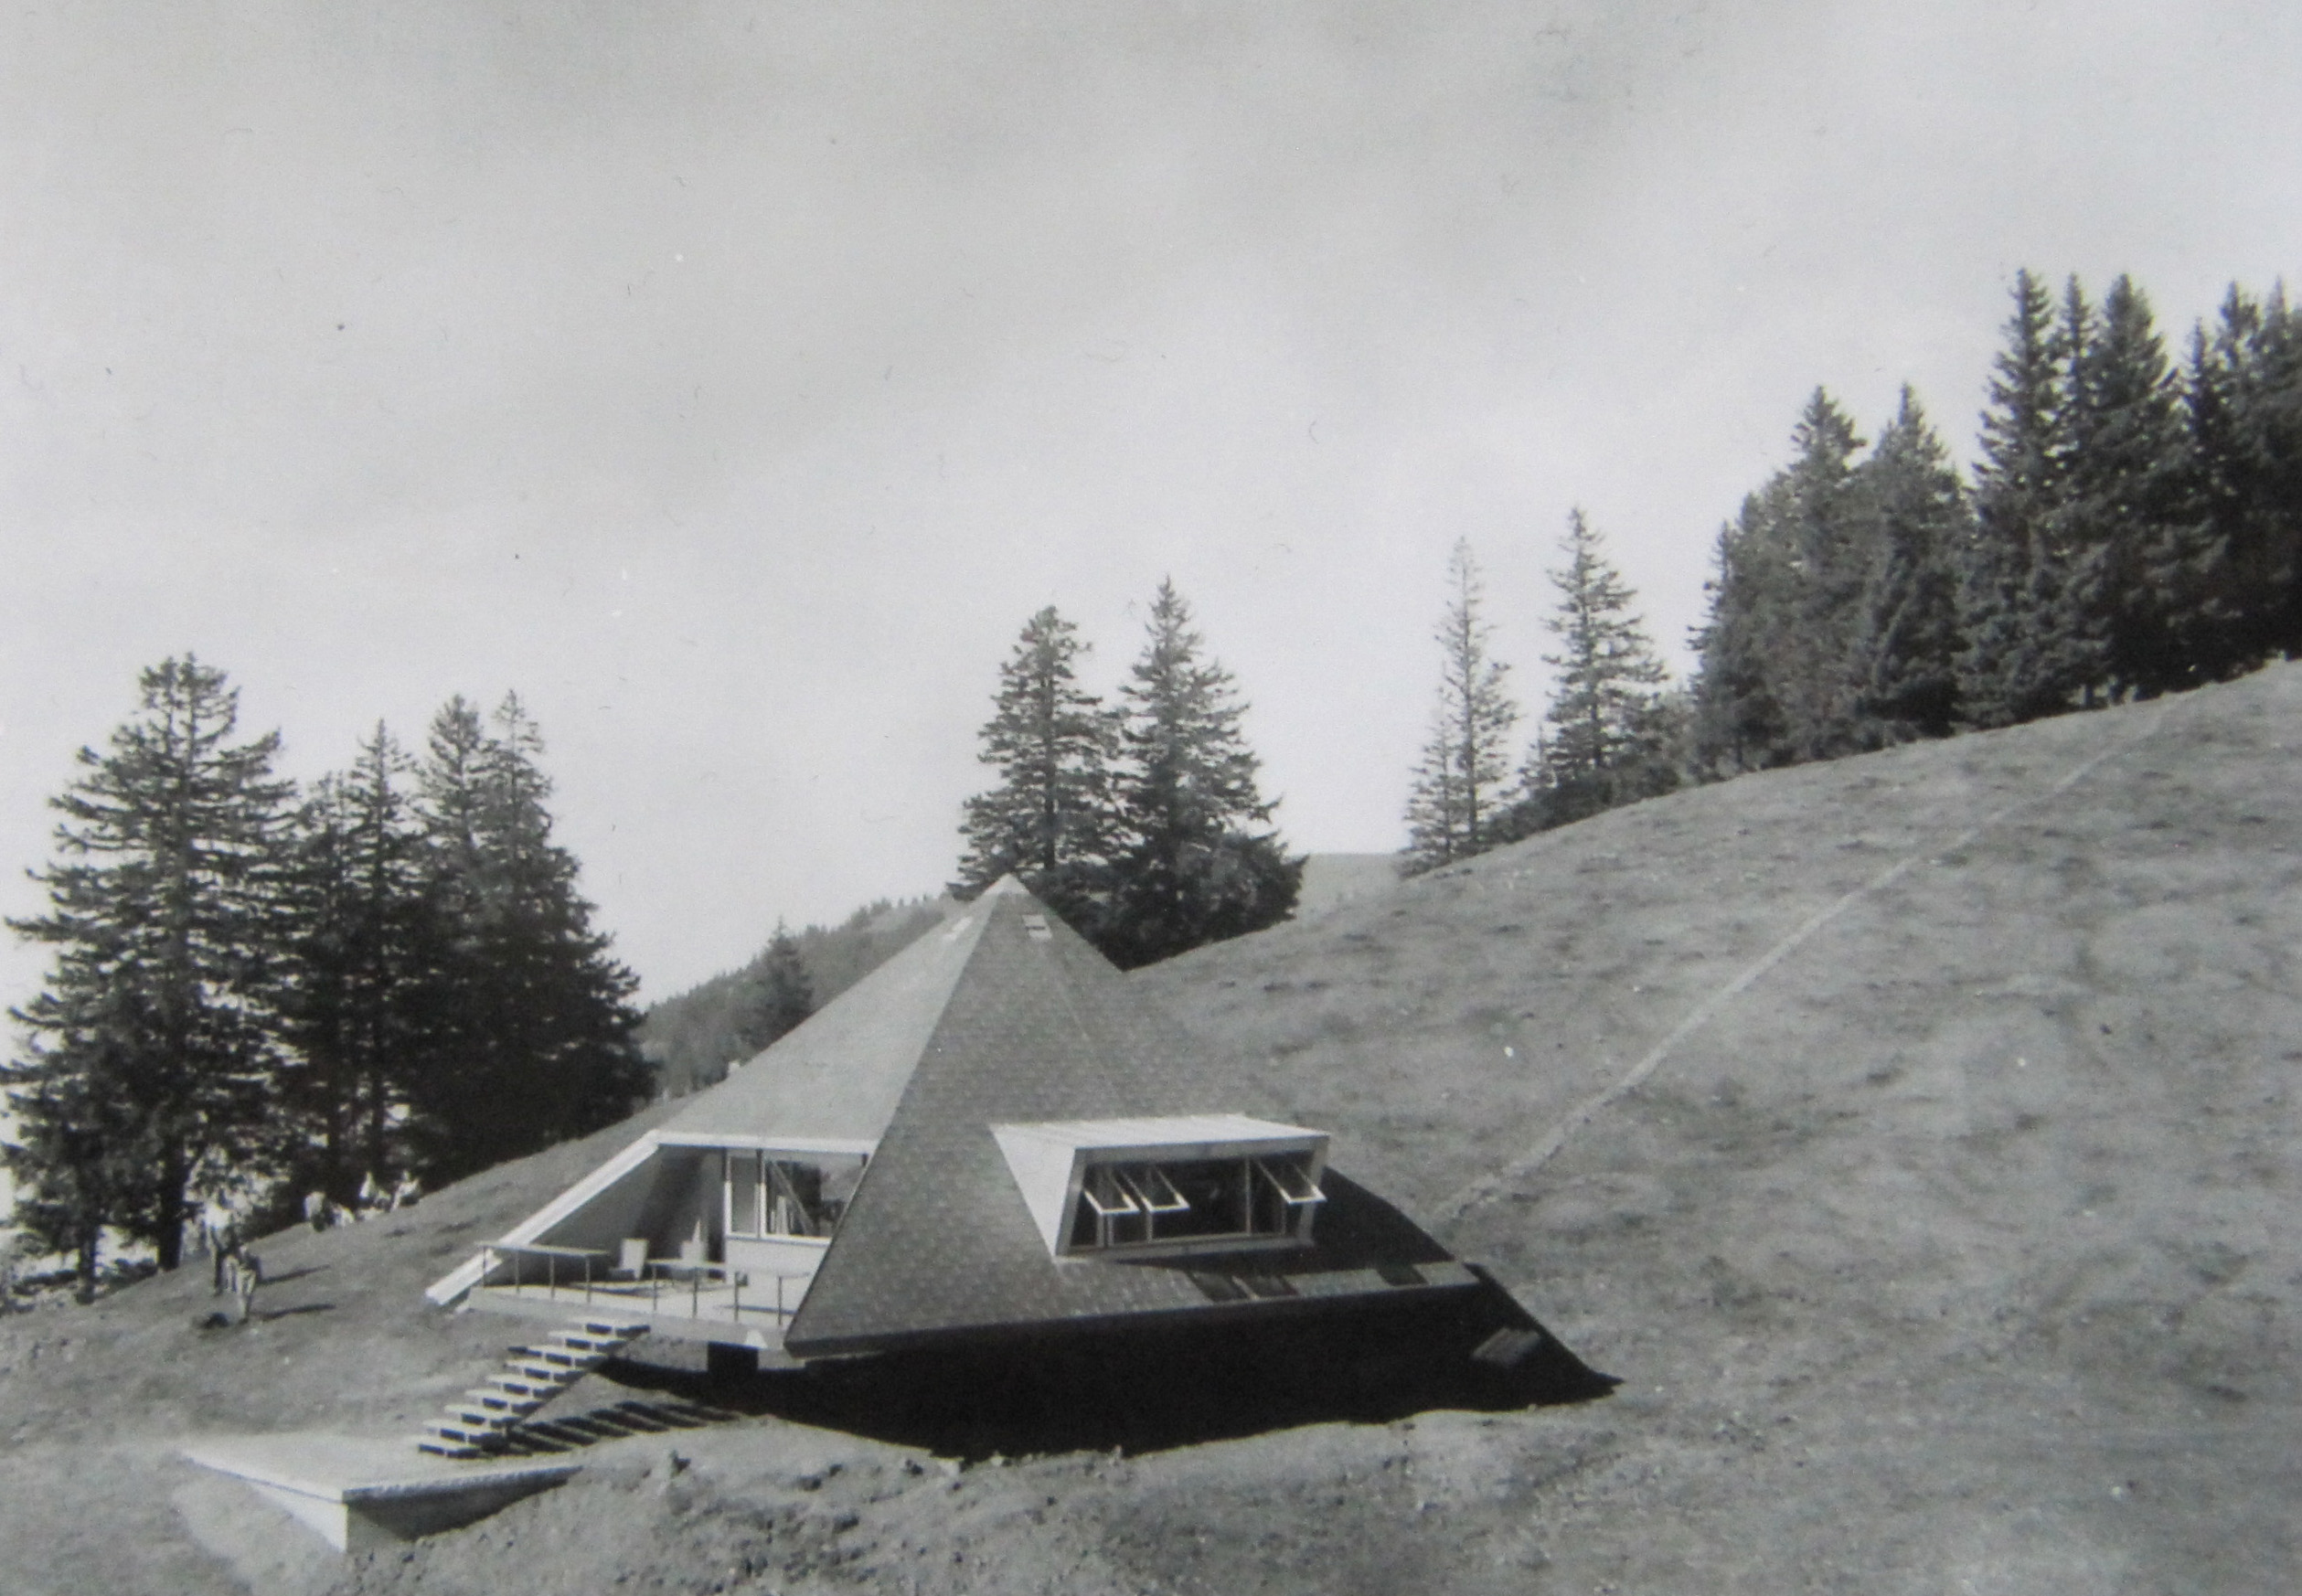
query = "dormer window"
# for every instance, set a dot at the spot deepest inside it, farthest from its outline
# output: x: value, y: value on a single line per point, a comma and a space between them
x: 1190, y: 1184
x: 1200, y: 1200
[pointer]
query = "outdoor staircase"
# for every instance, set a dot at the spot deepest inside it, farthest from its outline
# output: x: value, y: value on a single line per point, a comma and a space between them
x: 481, y: 1422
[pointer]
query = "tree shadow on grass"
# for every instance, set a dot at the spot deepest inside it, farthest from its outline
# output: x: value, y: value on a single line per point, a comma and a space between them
x: 1150, y: 1389
x: 276, y: 1280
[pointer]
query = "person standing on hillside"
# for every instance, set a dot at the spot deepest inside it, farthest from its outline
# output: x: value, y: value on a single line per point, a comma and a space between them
x: 243, y: 1272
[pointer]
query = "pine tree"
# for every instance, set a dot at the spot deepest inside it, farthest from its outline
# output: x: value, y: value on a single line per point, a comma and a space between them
x: 2145, y: 575
x: 1050, y: 820
x: 1905, y: 649
x: 2270, y: 427
x: 155, y: 1053
x: 2010, y: 578
x: 1611, y: 741
x: 1821, y: 527
x: 535, y: 1041
x: 1776, y: 683
x: 2244, y: 408
x: 368, y: 960
x: 1195, y: 864
x: 778, y: 994
x: 1740, y: 724
x: 1456, y: 797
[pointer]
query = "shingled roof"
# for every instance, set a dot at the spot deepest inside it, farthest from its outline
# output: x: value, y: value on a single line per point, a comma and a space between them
x: 1001, y: 1022
x: 1037, y: 1025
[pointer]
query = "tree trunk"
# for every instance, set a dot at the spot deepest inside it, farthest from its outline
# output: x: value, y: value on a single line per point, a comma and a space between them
x: 169, y: 1241
x: 84, y: 1265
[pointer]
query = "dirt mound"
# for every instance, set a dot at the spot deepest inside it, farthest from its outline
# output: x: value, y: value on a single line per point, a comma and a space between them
x: 1909, y: 1133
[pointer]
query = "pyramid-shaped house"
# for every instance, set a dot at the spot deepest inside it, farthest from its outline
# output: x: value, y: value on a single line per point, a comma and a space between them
x: 993, y: 1132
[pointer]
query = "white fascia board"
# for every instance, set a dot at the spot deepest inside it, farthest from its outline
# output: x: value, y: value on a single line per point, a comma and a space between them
x: 460, y: 1279
x: 1167, y: 1136
x: 1046, y: 1172
x: 846, y: 1146
x: 1179, y: 1141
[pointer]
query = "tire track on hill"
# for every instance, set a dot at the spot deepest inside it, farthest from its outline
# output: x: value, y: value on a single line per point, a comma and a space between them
x: 1491, y: 1186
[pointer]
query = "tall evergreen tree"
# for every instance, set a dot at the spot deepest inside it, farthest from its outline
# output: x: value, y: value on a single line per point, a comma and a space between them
x: 1196, y: 862
x: 778, y: 994
x: 368, y: 959
x: 1051, y: 818
x: 535, y: 1043
x: 2145, y: 567
x: 1456, y: 797
x: 2244, y: 407
x: 1821, y: 527
x: 1610, y: 741
x: 2011, y: 578
x: 153, y: 1062
x: 1776, y: 683
x: 1905, y: 648
x: 1740, y: 724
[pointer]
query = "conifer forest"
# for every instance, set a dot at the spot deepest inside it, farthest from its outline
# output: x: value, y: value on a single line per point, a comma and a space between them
x: 2131, y: 525
x: 258, y: 994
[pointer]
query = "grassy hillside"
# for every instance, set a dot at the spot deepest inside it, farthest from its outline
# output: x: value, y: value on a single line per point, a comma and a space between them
x: 1914, y: 1136
x: 1947, y: 1243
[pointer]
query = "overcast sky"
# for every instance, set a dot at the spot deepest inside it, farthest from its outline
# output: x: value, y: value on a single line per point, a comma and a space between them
x: 733, y: 381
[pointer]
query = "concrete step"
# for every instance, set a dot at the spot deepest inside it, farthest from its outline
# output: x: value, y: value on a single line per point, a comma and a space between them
x: 561, y: 1356
x: 481, y: 1415
x: 498, y: 1395
x: 480, y: 1422
x: 528, y: 1384
x: 454, y: 1449
x: 558, y: 1373
x: 454, y: 1434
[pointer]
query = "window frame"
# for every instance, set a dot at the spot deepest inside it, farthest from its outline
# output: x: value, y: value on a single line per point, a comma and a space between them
x: 770, y: 1185
x: 1094, y: 1218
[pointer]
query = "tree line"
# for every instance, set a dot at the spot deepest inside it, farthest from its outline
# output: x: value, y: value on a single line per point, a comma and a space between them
x: 1612, y: 733
x: 258, y: 992
x: 1141, y: 822
x: 691, y: 1038
x: 2132, y: 526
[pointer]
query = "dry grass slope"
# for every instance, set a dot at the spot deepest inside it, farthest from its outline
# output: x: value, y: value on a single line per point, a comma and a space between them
x: 1913, y: 1134
x: 1948, y: 1253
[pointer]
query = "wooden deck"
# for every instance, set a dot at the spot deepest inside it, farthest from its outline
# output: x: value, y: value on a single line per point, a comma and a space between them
x: 700, y: 1308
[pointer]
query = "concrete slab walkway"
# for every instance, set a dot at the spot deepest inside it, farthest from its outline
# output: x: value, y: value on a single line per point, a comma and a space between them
x: 362, y: 1491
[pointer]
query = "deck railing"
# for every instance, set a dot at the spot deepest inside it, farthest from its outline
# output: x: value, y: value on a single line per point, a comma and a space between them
x: 779, y: 1305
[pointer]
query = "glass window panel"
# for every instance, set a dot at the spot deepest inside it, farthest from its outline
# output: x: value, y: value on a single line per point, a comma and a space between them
x: 1195, y: 1199
x: 744, y: 1193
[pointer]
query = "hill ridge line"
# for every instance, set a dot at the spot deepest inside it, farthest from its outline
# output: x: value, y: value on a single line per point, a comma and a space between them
x: 1491, y: 1184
